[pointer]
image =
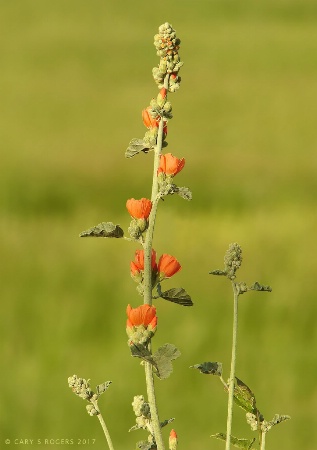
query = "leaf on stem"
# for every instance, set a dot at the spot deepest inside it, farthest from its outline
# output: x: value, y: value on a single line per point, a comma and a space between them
x: 266, y: 426
x: 244, y: 397
x: 167, y: 421
x: 141, y: 351
x: 105, y: 230
x: 246, y: 444
x: 101, y: 388
x: 218, y: 272
x: 177, y: 295
x: 163, y: 358
x: 183, y: 192
x: 209, y: 368
x: 259, y: 287
x: 136, y: 146
x: 145, y: 445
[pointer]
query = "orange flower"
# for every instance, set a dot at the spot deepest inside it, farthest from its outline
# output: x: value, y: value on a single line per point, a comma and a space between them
x: 138, y: 264
x: 168, y: 265
x: 139, y: 209
x: 142, y: 315
x: 170, y: 165
x: 148, y: 120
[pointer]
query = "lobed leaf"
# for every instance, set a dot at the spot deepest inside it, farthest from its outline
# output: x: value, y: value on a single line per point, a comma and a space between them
x: 177, y: 295
x: 136, y: 146
x: 246, y: 444
x: 209, y: 368
x: 141, y: 351
x: 163, y: 358
x: 105, y: 230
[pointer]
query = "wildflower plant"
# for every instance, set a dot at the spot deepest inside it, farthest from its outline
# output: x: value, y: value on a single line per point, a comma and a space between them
x: 149, y: 271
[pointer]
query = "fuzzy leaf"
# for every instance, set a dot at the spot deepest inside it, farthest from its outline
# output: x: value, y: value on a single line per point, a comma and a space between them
x: 145, y: 445
x: 259, y: 287
x: 101, y: 388
x: 167, y: 421
x: 218, y: 272
x: 136, y: 146
x: 183, y: 192
x: 266, y: 426
x: 163, y: 358
x: 209, y: 368
x: 140, y: 351
x: 105, y: 230
x: 246, y: 444
x: 177, y: 295
x: 244, y: 397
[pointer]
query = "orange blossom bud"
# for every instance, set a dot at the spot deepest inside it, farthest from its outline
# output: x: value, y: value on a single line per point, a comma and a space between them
x: 142, y: 315
x: 170, y: 165
x: 148, y: 120
x: 138, y: 263
x: 172, y: 440
x: 139, y: 209
x: 168, y: 265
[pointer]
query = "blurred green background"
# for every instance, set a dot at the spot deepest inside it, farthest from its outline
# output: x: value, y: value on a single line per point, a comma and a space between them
x: 74, y: 78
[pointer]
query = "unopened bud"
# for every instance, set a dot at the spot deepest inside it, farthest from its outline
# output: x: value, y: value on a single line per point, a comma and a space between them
x: 172, y: 443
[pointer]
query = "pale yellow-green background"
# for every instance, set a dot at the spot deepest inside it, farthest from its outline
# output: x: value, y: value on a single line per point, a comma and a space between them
x: 74, y: 77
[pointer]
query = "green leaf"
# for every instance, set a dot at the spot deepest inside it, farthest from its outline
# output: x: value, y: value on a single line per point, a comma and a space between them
x: 244, y: 397
x: 101, y: 388
x: 246, y: 444
x: 266, y: 426
x: 259, y: 287
x: 163, y: 358
x: 136, y: 146
x: 218, y: 272
x: 177, y: 295
x: 105, y: 230
x: 183, y: 192
x: 141, y: 351
x: 166, y: 422
x: 209, y: 368
x: 145, y: 445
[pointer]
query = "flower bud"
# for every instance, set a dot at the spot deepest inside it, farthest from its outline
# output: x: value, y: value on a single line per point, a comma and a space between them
x: 139, y: 209
x: 148, y: 120
x: 172, y: 443
x: 170, y: 165
x: 168, y: 266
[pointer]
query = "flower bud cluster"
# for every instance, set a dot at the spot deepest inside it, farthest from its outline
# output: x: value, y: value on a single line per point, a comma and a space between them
x: 167, y: 46
x: 80, y: 387
x: 92, y: 411
x: 143, y: 415
x: 233, y: 260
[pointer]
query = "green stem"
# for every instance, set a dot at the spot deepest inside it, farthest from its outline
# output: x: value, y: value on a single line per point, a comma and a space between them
x: 153, y: 407
x: 233, y: 363
x: 150, y: 231
x: 263, y: 436
x: 147, y: 283
x: 103, y: 425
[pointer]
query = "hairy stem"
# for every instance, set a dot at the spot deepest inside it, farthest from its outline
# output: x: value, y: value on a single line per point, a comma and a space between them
x: 233, y: 363
x: 103, y: 425
x: 155, y: 197
x: 263, y: 436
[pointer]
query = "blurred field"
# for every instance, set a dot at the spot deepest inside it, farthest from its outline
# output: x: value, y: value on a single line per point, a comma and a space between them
x: 74, y: 78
